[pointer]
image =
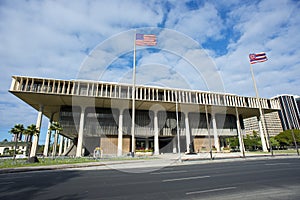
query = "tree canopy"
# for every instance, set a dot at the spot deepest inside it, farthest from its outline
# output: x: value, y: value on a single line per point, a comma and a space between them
x: 17, y: 130
x: 285, y: 138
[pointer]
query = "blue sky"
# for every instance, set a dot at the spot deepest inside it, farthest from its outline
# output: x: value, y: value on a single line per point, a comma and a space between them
x: 53, y: 39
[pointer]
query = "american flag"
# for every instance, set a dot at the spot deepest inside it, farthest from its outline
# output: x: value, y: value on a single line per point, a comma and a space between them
x: 145, y: 40
x: 257, y: 57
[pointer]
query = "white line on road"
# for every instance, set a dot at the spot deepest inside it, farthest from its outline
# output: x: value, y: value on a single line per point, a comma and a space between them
x: 169, y: 172
x: 211, y: 190
x: 186, y: 178
x: 278, y: 164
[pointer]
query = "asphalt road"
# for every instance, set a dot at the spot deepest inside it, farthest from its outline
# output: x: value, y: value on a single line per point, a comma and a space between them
x: 256, y: 179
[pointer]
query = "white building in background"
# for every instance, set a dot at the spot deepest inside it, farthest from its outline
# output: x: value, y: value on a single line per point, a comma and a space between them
x: 272, y: 121
x: 5, y: 147
x: 289, y: 111
x: 98, y: 114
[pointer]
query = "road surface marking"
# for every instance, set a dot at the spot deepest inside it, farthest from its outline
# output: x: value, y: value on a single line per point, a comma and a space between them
x: 278, y: 164
x: 169, y: 172
x: 186, y: 178
x: 212, y: 190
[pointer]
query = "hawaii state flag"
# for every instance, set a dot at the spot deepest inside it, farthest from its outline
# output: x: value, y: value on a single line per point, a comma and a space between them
x: 257, y: 57
x: 145, y: 40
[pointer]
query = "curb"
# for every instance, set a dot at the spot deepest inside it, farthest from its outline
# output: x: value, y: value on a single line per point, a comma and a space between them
x: 63, y: 166
x: 185, y: 161
x: 47, y: 167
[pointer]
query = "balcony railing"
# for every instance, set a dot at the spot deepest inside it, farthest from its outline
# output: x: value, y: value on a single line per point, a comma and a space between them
x: 143, y: 93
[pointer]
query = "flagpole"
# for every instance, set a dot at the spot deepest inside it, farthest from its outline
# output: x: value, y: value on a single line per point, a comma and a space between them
x: 149, y: 41
x: 260, y: 111
x: 133, y: 98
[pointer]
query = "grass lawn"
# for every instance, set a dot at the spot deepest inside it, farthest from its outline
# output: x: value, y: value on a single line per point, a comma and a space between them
x: 292, y: 151
x: 10, y: 163
x: 288, y: 151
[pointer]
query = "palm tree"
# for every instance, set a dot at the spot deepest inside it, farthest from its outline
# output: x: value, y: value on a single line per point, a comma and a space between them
x: 55, y: 126
x: 30, y: 131
x: 16, y: 131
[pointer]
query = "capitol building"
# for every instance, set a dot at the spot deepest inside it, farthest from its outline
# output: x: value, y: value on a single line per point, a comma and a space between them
x: 99, y: 114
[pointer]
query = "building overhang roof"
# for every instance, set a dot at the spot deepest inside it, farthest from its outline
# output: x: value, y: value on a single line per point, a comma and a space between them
x: 52, y: 103
x: 52, y: 99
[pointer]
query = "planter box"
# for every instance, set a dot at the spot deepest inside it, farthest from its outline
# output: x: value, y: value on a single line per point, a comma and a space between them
x: 143, y: 153
x: 226, y: 150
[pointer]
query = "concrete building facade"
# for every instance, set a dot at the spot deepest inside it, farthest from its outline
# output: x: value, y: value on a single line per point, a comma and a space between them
x: 98, y: 114
x: 272, y: 123
x: 5, y: 147
x: 289, y: 112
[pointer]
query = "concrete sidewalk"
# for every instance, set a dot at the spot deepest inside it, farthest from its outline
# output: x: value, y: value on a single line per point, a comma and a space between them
x: 147, y: 165
x: 169, y: 160
x: 64, y: 166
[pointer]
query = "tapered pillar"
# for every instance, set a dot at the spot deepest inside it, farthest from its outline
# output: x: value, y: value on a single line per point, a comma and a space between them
x: 262, y: 137
x: 174, y: 145
x: 120, y: 134
x: 54, y: 143
x: 156, y: 134
x: 69, y: 143
x: 239, y: 131
x: 80, y: 134
x: 215, y: 131
x: 36, y: 137
x: 61, y: 142
x: 146, y: 143
x: 65, y: 145
x: 48, y: 136
x: 187, y: 133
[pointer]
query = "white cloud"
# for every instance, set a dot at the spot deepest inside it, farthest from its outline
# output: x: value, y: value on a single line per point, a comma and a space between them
x: 263, y: 27
x: 199, y: 24
x: 52, y: 38
x: 53, y: 34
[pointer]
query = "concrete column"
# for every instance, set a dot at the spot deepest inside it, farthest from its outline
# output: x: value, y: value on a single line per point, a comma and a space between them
x: 156, y: 132
x: 146, y: 143
x: 239, y: 130
x: 215, y: 131
x: 80, y: 133
x: 174, y: 145
x: 262, y: 136
x: 120, y: 134
x: 69, y: 143
x: 36, y: 137
x: 187, y: 132
x: 61, y: 142
x: 65, y: 145
x: 13, y: 83
x: 48, y: 136
x: 54, y: 144
x: 264, y: 126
